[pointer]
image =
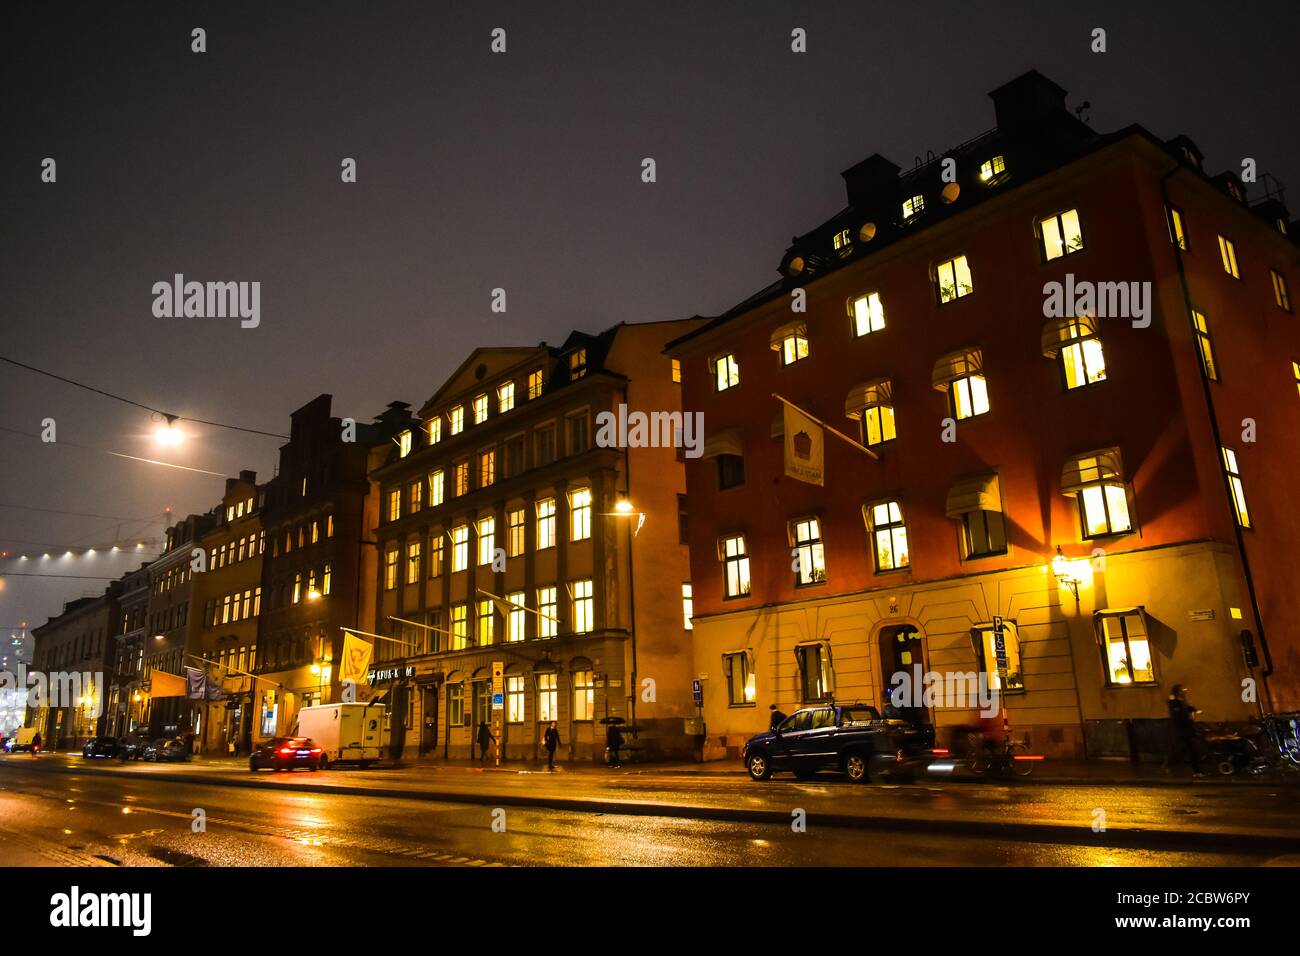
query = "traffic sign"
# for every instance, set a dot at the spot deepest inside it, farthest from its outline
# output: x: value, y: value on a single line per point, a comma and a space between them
x: 697, y: 689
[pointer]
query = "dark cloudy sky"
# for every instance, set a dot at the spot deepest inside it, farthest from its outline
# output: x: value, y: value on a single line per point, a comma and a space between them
x: 476, y: 171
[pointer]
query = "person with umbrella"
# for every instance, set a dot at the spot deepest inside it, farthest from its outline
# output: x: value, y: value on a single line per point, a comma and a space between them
x: 613, y: 741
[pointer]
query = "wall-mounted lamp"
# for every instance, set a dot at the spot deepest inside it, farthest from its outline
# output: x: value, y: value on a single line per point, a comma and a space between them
x: 1064, y: 575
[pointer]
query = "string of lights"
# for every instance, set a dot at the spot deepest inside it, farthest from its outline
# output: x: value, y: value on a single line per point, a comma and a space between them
x: 171, y: 417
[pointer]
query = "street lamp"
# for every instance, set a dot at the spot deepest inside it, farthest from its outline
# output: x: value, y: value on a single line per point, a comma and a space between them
x: 168, y: 434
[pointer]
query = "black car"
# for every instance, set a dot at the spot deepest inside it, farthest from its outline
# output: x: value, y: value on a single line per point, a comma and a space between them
x: 101, y: 747
x: 285, y: 753
x: 167, y: 749
x: 131, y: 747
x: 850, y: 738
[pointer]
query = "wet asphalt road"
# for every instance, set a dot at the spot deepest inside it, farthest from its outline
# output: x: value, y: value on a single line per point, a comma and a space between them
x: 133, y: 818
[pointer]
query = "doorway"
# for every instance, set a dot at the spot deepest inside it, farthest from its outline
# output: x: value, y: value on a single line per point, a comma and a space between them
x: 902, y: 650
x: 428, y: 720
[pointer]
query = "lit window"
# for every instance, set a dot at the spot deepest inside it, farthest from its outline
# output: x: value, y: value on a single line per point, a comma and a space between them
x: 913, y: 206
x: 326, y: 577
x: 548, y: 697
x: 1082, y: 360
x: 954, y: 279
x: 547, y: 615
x: 413, y: 563
x: 815, y: 675
x: 459, y: 627
x: 1177, y: 232
x: 515, y: 538
x: 456, y: 419
x: 726, y: 372
x: 535, y: 380
x: 580, y: 514
x: 1205, y: 346
x: 394, y: 505
x: 479, y: 409
x: 987, y: 647
x: 584, y: 619
x: 740, y: 682
x: 1295, y: 371
x: 515, y: 698
x: 688, y: 606
x: 435, y: 554
x: 969, y: 396
x: 1228, y: 252
x: 546, y: 523
x: 1280, y: 293
x: 843, y: 242
x: 677, y: 371
x: 890, y: 535
x: 404, y: 443
x: 1061, y: 234
x: 868, y: 314
x: 516, y: 620
x: 486, y: 539
x: 991, y: 168
x: 461, y: 477
x: 390, y: 572
x: 810, y: 565
x: 1125, y: 648
x: 434, y: 430
x: 584, y: 696
x: 329, y: 526
x: 505, y: 397
x: 437, y: 488
x: 487, y: 467
x: 793, y: 346
x: 735, y: 557
x: 577, y: 363
x: 1234, y: 483
x: 878, y: 425
x: 1103, y: 509
x: 460, y: 547
x: 486, y: 621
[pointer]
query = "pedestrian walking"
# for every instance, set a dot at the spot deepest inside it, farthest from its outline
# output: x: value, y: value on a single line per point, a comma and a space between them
x: 550, y: 741
x: 36, y: 743
x: 485, y: 739
x: 613, y: 741
x: 1182, y: 731
x: 776, y: 718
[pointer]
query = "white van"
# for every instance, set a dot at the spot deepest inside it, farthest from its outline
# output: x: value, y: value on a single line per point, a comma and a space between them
x: 354, y: 733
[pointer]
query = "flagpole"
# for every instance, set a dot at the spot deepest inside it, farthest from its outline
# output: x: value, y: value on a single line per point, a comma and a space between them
x: 838, y: 434
x: 402, y: 620
x: 522, y: 607
x: 235, y: 670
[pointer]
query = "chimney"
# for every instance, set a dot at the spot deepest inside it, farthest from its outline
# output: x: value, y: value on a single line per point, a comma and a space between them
x: 869, y: 178
x: 248, y: 477
x: 1028, y: 99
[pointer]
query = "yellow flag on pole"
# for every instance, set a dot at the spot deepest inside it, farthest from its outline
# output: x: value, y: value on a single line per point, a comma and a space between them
x: 804, y: 447
x: 356, y: 659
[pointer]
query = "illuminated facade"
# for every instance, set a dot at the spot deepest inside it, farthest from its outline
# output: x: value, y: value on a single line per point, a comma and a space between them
x: 1072, y: 341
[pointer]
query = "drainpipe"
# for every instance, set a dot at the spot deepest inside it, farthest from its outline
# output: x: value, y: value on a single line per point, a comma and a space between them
x: 1207, y: 390
x: 631, y: 583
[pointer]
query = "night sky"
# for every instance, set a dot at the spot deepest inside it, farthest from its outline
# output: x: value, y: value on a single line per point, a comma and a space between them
x: 475, y: 171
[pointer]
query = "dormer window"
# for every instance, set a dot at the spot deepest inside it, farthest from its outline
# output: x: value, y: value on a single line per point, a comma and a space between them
x: 577, y: 363
x: 404, y: 443
x: 790, y: 342
x: 991, y: 169
x: 843, y: 242
x: 1235, y: 191
x: 1190, y: 156
x: 913, y: 207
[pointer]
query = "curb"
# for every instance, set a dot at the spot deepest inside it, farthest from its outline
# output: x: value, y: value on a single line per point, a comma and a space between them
x: 1082, y: 835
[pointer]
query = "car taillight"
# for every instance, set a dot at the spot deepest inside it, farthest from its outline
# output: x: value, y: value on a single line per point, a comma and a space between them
x: 939, y: 751
x: 286, y: 750
x: 315, y: 750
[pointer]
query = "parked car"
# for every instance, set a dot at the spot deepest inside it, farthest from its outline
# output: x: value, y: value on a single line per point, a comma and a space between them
x: 285, y: 753
x: 100, y: 747
x: 23, y: 740
x: 167, y: 749
x: 131, y: 747
x: 849, y: 738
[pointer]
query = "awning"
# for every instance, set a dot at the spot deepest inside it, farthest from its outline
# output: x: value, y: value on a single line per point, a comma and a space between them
x: 728, y: 441
x: 798, y: 327
x: 974, y: 494
x: 956, y: 365
x: 877, y: 391
x: 1101, y: 465
x: 1062, y: 332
